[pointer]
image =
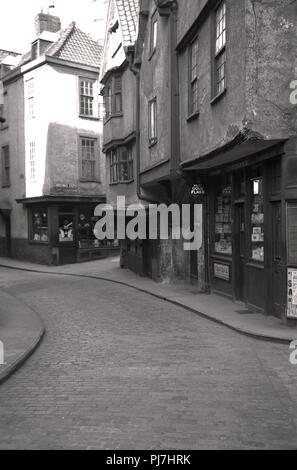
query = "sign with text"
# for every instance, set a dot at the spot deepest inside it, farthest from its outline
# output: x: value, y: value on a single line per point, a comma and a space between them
x: 222, y: 271
x: 292, y: 293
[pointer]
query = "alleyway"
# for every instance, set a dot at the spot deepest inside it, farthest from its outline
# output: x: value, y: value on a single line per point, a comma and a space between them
x: 120, y: 369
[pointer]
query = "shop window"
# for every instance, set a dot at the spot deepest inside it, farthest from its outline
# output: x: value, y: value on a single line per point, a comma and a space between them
x: 121, y: 164
x: 257, y: 220
x: 38, y: 224
x: 223, y: 221
x: 66, y: 228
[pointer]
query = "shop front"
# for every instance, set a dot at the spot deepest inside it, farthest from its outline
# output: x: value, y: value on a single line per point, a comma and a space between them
x: 251, y: 235
x: 62, y: 230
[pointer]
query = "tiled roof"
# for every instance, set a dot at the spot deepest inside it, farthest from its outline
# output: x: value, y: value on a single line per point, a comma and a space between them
x: 128, y: 14
x: 75, y: 46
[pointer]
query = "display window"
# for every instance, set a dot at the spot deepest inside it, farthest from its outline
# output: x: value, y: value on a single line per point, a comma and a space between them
x: 223, y: 221
x: 39, y: 225
x: 257, y: 220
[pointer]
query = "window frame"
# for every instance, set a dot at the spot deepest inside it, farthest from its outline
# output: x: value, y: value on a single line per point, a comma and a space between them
x: 152, y: 124
x: 5, y: 108
x: 30, y: 90
x: 153, y: 34
x: 5, y: 158
x: 219, y: 52
x: 94, y: 177
x: 116, y: 160
x: 111, y: 92
x: 32, y: 160
x: 31, y: 211
x: 193, y: 79
x: 87, y: 97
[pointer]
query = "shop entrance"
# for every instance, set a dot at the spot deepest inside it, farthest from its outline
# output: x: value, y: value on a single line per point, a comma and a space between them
x: 67, y: 239
x: 239, y: 227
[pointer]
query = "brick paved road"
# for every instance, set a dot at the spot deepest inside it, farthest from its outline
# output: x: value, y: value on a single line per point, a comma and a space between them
x: 120, y: 369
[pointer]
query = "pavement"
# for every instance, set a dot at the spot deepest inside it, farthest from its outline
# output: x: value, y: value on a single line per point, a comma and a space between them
x: 22, y: 330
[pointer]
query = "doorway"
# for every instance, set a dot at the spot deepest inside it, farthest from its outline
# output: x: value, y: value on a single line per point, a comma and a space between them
x: 7, y: 242
x: 67, y: 238
x: 239, y: 250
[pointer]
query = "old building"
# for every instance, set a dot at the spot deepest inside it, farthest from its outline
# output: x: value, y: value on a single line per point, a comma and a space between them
x: 215, y: 126
x: 119, y: 90
x: 238, y: 138
x: 52, y: 174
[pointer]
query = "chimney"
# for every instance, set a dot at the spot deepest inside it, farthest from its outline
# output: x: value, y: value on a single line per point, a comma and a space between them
x: 47, y: 22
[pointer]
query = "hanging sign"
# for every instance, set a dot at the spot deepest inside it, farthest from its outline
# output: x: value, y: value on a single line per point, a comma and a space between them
x: 292, y: 293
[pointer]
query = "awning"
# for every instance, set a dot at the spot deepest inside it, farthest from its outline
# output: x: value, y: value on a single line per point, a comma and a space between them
x: 231, y: 153
x: 62, y: 199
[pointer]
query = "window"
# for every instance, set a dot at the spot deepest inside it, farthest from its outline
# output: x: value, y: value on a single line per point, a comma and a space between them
x: 5, y: 109
x: 30, y: 98
x: 154, y: 35
x: 121, y: 164
x: 152, y: 121
x: 223, y: 220
x: 257, y: 219
x: 86, y: 97
x: 38, y: 224
x: 5, y: 166
x: 32, y: 162
x: 88, y: 159
x: 220, y: 50
x: 193, y: 77
x: 112, y: 95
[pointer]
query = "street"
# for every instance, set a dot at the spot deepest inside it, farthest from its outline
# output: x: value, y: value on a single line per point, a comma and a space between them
x: 119, y: 369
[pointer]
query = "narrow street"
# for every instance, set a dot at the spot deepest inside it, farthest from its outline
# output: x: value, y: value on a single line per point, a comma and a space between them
x: 118, y: 369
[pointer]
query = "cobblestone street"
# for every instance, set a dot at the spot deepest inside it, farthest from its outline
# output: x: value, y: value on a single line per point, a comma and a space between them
x: 119, y: 369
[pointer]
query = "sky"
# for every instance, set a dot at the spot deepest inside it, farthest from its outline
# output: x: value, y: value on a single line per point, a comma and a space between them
x: 17, y: 29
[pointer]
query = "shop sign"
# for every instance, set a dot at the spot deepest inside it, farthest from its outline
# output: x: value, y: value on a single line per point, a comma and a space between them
x: 222, y: 271
x: 64, y: 187
x: 292, y: 293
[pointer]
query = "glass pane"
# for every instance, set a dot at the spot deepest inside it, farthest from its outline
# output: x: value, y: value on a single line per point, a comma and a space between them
x: 257, y: 220
x: 223, y: 221
x: 39, y: 224
x: 65, y: 228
